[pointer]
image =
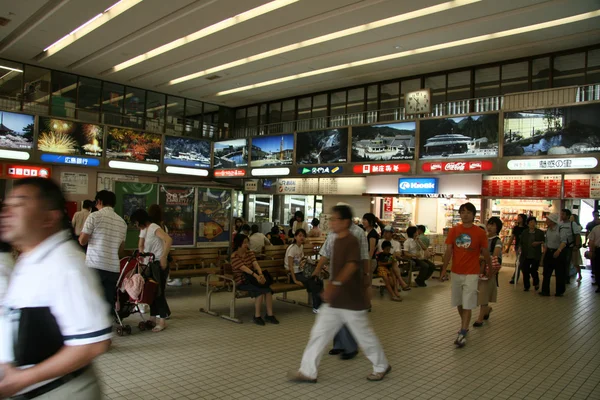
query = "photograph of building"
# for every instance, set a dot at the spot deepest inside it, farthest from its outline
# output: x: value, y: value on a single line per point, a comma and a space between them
x: 16, y: 130
x: 269, y: 151
x: 187, y: 152
x: 383, y: 142
x: 231, y: 154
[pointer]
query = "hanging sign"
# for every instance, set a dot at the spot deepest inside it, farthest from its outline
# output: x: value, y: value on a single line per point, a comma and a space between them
x: 322, y: 170
x: 539, y: 186
x: 457, y: 166
x: 25, y: 171
x: 552, y: 163
x: 582, y: 187
x: 381, y: 168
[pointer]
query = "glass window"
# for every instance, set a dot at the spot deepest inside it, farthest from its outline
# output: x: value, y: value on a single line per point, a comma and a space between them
x: 289, y: 110
x: 459, y: 86
x: 338, y: 103
x: 37, y: 89
x: 372, y: 98
x: 113, y: 100
x: 155, y: 112
x: 135, y: 100
x: 263, y: 114
x: 569, y: 70
x: 437, y: 84
x: 175, y: 113
x: 390, y: 95
x: 193, y: 118
x: 64, y: 94
x: 319, y: 106
x: 252, y: 115
x: 274, y: 113
x: 593, y: 66
x: 240, y: 118
x: 515, y: 77
x: 211, y: 119
x: 89, y: 99
x: 487, y: 82
x: 304, y: 105
x: 11, y: 85
x: 356, y: 100
x: 540, y: 73
x: 407, y: 87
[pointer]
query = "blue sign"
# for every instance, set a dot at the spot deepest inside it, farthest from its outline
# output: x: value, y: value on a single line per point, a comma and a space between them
x: 325, y: 170
x: 417, y: 185
x: 80, y: 161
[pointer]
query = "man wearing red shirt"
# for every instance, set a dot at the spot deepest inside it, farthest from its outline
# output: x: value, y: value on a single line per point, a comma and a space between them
x: 464, y: 244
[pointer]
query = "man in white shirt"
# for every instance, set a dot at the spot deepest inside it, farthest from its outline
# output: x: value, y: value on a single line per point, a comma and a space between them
x: 258, y: 240
x: 104, y: 232
x: 80, y: 217
x: 572, y: 229
x: 414, y: 251
x: 52, y: 295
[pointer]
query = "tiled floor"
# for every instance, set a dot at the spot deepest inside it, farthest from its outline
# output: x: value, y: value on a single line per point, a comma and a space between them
x: 532, y: 348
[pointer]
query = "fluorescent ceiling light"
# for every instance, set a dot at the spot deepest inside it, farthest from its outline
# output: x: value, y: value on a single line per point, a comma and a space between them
x: 187, y: 171
x: 91, y: 25
x: 14, y: 155
x: 422, y: 50
x: 11, y: 69
x: 270, y: 172
x: 209, y: 30
x: 325, y: 38
x: 133, y: 166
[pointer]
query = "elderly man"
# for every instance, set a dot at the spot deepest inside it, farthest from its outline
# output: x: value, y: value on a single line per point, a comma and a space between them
x: 52, y: 295
x: 555, y: 255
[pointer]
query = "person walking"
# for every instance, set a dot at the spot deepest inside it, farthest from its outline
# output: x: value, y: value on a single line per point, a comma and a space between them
x: 515, y: 238
x: 572, y: 230
x: 346, y: 302
x: 80, y: 217
x: 555, y: 256
x: 591, y: 225
x: 104, y: 233
x: 594, y: 243
x: 576, y: 260
x: 488, y: 288
x: 464, y: 244
x: 52, y: 295
x: 531, y: 254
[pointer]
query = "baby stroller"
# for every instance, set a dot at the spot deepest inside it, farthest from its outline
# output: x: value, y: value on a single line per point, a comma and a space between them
x: 135, y: 290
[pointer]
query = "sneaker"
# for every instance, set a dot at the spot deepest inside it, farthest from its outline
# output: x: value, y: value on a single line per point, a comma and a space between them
x: 272, y: 319
x: 420, y: 283
x: 377, y: 376
x: 175, y: 282
x: 258, y: 321
x: 315, y: 310
x: 461, y: 340
x: 298, y: 376
x: 187, y: 281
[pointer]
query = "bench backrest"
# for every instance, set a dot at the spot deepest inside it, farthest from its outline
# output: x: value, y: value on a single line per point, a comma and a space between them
x: 276, y: 252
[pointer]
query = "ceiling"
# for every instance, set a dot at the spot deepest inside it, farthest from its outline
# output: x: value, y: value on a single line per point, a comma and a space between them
x: 36, y: 24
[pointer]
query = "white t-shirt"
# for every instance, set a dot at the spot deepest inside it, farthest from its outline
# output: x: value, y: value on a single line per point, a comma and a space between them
x: 107, y: 231
x: 152, y: 243
x: 396, y: 246
x: 7, y: 263
x: 411, y: 246
x: 300, y: 225
x: 52, y: 288
x: 79, y: 219
x: 297, y: 253
x: 257, y: 242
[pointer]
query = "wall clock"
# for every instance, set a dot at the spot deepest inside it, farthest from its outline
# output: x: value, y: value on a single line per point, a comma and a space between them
x: 418, y: 102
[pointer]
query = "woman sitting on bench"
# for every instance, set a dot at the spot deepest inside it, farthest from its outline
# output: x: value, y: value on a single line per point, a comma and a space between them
x: 249, y: 277
x: 300, y: 272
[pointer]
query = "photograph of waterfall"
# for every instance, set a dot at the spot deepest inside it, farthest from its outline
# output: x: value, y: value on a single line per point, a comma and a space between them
x: 385, y: 142
x: 552, y: 131
x: 322, y: 147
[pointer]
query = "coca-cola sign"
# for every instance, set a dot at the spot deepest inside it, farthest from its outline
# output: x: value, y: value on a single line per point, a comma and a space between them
x: 457, y: 166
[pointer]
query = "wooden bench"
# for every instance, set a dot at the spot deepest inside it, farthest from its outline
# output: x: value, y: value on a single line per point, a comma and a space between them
x: 281, y: 285
x: 190, y: 262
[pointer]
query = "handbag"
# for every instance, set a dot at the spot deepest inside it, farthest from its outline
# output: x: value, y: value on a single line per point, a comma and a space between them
x: 251, y: 280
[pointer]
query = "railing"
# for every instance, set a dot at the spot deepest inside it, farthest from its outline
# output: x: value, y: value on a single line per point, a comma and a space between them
x: 585, y: 93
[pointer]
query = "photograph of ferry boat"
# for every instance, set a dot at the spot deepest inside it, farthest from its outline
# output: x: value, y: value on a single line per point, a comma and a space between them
x: 271, y: 151
x: 460, y: 137
x: 186, y: 152
x: 322, y: 147
x: 385, y: 142
x: 231, y: 154
x: 554, y: 131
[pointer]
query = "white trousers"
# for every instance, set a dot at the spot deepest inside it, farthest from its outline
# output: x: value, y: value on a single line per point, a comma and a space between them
x: 328, y: 322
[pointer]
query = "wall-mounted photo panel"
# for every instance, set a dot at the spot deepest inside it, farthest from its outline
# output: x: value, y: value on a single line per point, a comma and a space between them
x: 231, y: 154
x: 384, y: 142
x: 459, y: 137
x: 322, y: 147
x: 129, y: 145
x: 70, y: 137
x: 552, y: 131
x: 16, y: 131
x: 186, y: 152
x: 271, y: 151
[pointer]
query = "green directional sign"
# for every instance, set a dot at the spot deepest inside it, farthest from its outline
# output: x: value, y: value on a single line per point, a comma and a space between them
x: 306, y: 171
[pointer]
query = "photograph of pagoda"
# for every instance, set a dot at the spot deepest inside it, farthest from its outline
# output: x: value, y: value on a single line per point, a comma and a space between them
x: 271, y: 151
x: 16, y: 130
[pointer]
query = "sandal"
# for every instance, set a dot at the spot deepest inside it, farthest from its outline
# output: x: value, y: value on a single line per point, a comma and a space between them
x: 159, y: 328
x: 406, y: 288
x: 487, y: 316
x: 396, y: 298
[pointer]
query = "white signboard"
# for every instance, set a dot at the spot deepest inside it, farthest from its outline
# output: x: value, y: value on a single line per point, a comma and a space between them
x: 251, y: 186
x: 74, y: 182
x: 107, y: 181
x: 298, y: 186
x: 552, y: 163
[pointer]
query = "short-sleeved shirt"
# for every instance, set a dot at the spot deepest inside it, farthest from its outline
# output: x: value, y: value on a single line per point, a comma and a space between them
x: 107, y: 231
x: 276, y: 241
x: 425, y: 240
x: 352, y: 294
x: 357, y: 232
x: 493, y: 244
x: 297, y: 253
x: 258, y: 241
x: 384, y: 257
x: 572, y: 229
x: 238, y: 262
x: 372, y: 235
x: 591, y: 225
x: 52, y: 294
x: 79, y: 219
x: 555, y: 236
x: 396, y: 246
x: 517, y: 231
x: 411, y: 246
x: 152, y: 243
x: 299, y: 225
x: 466, y: 247
x: 528, y: 251
x: 594, y: 238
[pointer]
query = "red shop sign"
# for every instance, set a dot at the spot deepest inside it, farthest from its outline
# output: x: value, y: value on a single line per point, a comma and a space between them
x: 381, y: 168
x: 388, y: 204
x: 26, y: 171
x: 461, y: 166
x: 582, y: 186
x: 229, y: 173
x: 527, y: 186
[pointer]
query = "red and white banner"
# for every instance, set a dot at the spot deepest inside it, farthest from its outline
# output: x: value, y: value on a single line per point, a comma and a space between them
x: 370, y: 169
x: 582, y: 187
x: 230, y: 173
x: 523, y: 186
x: 26, y: 171
x: 457, y: 166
